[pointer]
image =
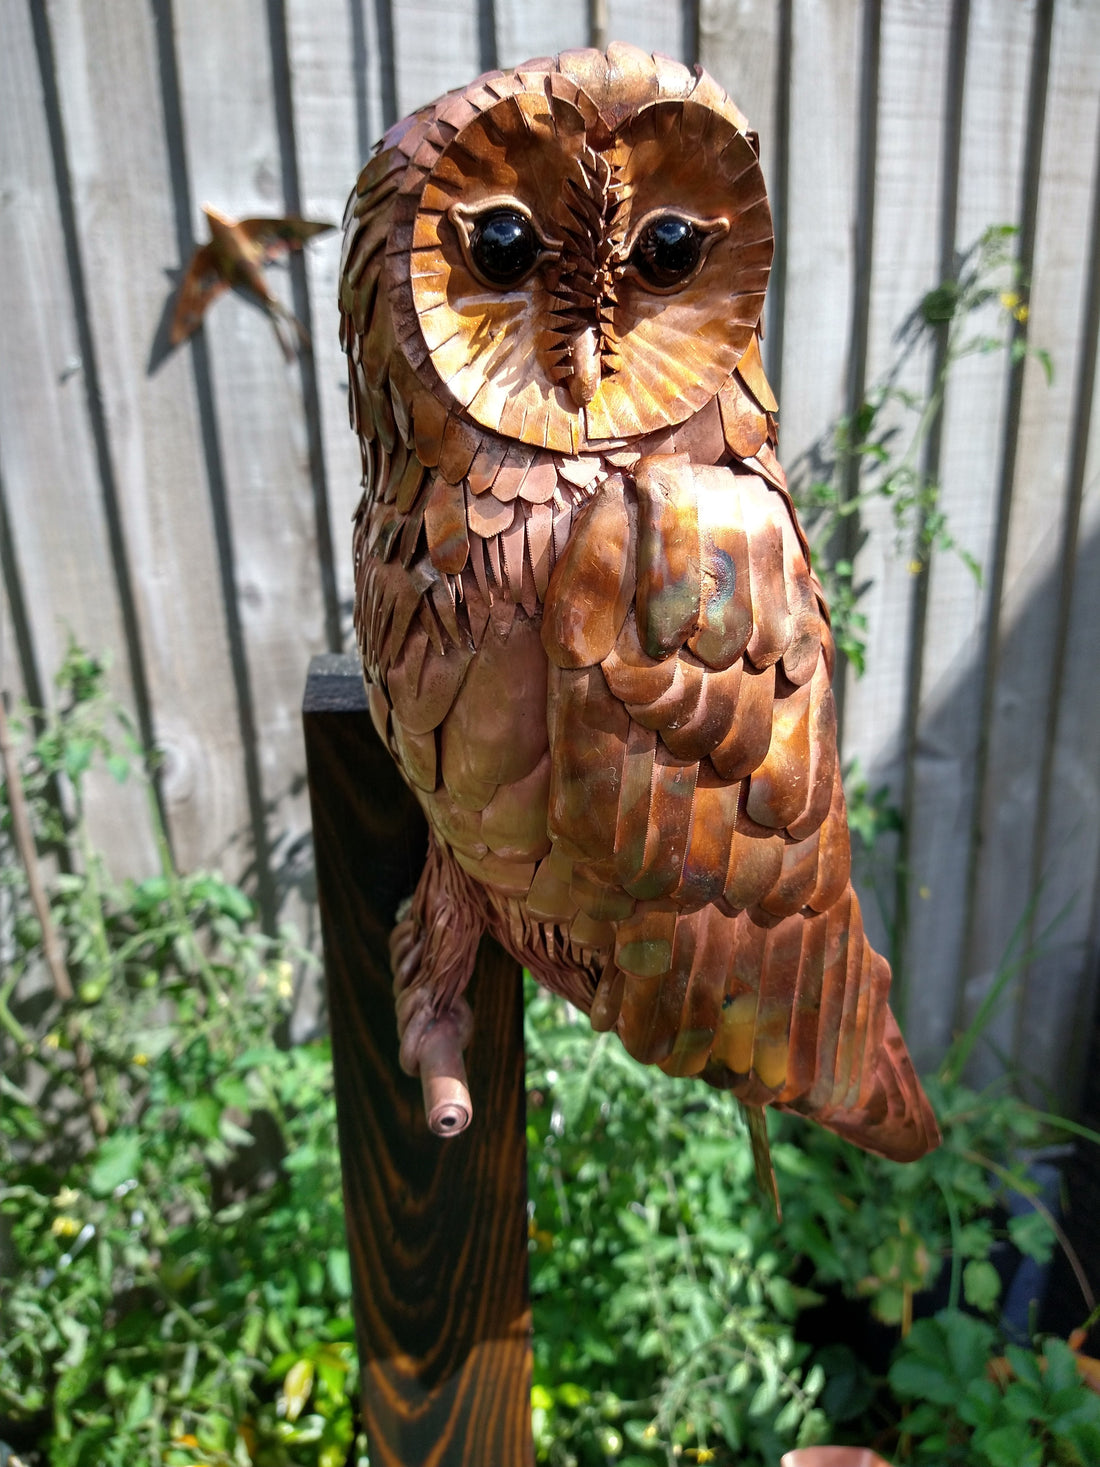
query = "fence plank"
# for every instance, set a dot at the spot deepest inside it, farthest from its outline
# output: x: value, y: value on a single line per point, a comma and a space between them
x: 1058, y: 987
x: 49, y: 477
x: 1033, y: 569
x: 234, y: 161
x: 437, y: 1229
x: 824, y: 89
x: 1061, y: 990
x: 336, y: 65
x: 738, y: 45
x: 525, y: 31
x: 904, y: 265
x: 654, y: 25
x: 12, y: 684
x: 114, y: 109
x: 437, y: 46
x: 943, y: 776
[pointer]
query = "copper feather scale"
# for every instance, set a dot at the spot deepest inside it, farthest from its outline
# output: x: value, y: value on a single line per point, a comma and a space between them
x: 591, y: 634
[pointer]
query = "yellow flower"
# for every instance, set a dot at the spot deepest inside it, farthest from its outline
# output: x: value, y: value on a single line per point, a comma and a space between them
x: 141, y: 1058
x: 64, y: 1226
x: 1020, y: 313
x: 52, y: 1040
x: 191, y: 1444
x: 67, y: 1197
x: 915, y: 567
x: 1009, y: 299
x: 704, y: 1454
x: 650, y: 1431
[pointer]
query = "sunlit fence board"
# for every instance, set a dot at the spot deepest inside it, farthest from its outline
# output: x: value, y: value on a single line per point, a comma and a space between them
x: 188, y: 511
x: 904, y: 259
x: 1026, y: 648
x: 942, y: 773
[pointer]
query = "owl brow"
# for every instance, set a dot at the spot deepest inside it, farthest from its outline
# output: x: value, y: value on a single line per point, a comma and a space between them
x: 712, y: 230
x: 465, y: 218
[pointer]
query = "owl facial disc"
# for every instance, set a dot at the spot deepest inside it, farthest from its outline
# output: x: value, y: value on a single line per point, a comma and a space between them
x: 580, y: 276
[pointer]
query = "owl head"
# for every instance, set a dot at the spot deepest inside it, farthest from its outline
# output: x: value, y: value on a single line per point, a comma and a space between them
x: 578, y: 249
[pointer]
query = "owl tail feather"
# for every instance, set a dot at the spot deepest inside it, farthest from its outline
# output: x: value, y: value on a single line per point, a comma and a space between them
x: 896, y: 1120
x: 756, y: 1122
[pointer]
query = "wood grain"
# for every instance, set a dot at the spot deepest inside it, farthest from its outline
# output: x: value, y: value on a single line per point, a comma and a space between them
x: 437, y: 1229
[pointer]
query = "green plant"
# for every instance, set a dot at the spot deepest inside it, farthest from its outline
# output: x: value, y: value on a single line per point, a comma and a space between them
x: 670, y: 1309
x: 975, y: 1408
x: 176, y: 1282
x: 175, y: 1276
x: 879, y: 451
x: 664, y: 1312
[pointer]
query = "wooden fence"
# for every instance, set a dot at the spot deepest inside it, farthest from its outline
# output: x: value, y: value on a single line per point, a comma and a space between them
x: 189, y: 511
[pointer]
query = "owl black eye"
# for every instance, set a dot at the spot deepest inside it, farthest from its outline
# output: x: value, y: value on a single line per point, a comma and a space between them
x: 667, y: 251
x: 504, y: 247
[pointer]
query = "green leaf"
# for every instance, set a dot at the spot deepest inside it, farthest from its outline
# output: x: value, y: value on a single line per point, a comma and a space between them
x: 202, y: 1116
x: 914, y: 1378
x: 338, y: 1265
x: 78, y: 756
x: 140, y: 1407
x: 848, y: 1389
x: 1007, y: 1447
x: 1032, y: 1235
x: 297, y: 1386
x: 117, y: 1160
x: 940, y: 304
x: 981, y: 1285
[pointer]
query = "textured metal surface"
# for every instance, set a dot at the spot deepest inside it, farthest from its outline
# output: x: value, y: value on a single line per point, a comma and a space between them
x: 584, y: 602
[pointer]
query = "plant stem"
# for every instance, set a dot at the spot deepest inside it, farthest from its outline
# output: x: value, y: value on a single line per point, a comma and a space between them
x: 51, y: 945
x: 1044, y: 1212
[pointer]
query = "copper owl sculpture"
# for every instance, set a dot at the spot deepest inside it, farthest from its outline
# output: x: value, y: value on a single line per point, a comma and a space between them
x: 591, y: 635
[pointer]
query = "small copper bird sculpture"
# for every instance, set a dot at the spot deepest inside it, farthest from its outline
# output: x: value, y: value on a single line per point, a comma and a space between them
x: 591, y: 635
x: 235, y: 259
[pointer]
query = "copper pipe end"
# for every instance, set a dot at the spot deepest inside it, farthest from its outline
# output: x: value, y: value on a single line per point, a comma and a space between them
x: 447, y: 1102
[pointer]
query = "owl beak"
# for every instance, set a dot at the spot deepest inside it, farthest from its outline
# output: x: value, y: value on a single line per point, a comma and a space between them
x: 584, y: 367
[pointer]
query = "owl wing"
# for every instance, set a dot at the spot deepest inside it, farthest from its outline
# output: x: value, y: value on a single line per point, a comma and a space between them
x: 696, y: 793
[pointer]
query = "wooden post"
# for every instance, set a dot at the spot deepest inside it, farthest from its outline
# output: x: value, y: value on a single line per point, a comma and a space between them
x: 437, y: 1229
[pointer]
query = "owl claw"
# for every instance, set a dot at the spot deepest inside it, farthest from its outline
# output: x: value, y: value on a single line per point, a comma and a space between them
x: 432, y: 950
